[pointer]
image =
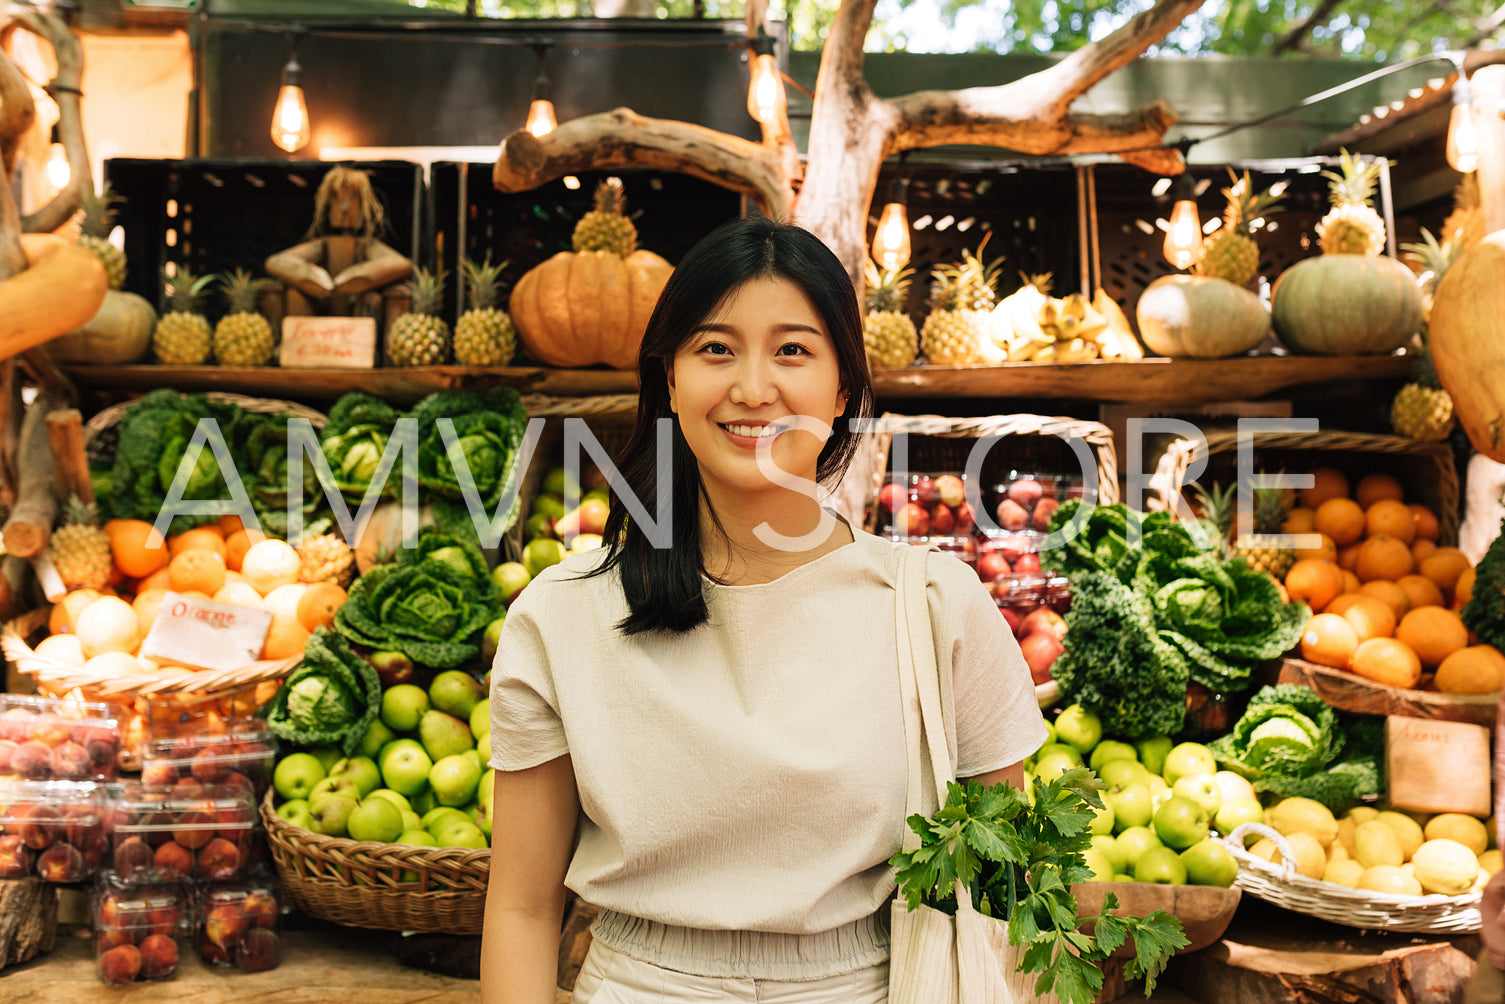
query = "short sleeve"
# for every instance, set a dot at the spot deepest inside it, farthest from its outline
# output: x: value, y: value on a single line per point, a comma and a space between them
x: 998, y: 721
x: 526, y: 729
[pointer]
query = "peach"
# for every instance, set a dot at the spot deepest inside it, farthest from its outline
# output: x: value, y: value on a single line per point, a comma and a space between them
x: 133, y: 858
x: 258, y: 951
x: 61, y: 863
x: 38, y: 825
x: 224, y: 926
x: 219, y: 860
x: 173, y: 860
x: 164, y: 918
x: 212, y: 763
x: 159, y: 957
x: 120, y: 965
x: 108, y: 939
x: 71, y: 762
x: 8, y: 749
x: 49, y: 731
x: 156, y: 827
x: 84, y: 829
x: 193, y: 829
x: 260, y: 909
x: 15, y: 857
x: 159, y: 774
x: 33, y: 761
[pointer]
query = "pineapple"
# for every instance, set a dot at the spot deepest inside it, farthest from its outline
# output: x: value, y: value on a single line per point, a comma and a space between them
x: 243, y: 337
x: 1230, y: 252
x: 420, y: 337
x: 326, y: 558
x: 80, y: 549
x: 605, y: 228
x: 957, y: 332
x: 1423, y: 409
x: 99, y: 220
x: 484, y: 335
x: 887, y: 331
x: 1433, y: 260
x: 1352, y: 226
x: 182, y: 335
x: 1271, y: 507
x: 1465, y: 224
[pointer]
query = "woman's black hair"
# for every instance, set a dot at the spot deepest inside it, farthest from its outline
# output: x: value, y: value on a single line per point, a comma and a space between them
x: 663, y: 585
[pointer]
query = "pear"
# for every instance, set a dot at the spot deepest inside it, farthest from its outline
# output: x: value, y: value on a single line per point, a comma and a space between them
x: 444, y: 735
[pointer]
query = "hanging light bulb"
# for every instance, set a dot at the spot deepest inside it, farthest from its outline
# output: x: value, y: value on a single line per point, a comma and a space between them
x: 891, y: 239
x: 1183, y: 237
x: 1463, y: 131
x: 58, y: 171
x: 765, y: 88
x: 541, y: 120
x: 290, y: 129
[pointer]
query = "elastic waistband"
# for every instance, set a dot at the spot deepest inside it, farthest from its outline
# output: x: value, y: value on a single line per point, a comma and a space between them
x: 756, y: 955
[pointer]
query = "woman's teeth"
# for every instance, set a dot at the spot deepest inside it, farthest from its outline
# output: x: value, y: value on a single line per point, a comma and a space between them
x: 756, y: 431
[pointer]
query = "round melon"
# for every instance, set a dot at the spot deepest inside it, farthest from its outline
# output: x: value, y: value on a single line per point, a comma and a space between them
x: 1346, y: 305
x: 1199, y: 317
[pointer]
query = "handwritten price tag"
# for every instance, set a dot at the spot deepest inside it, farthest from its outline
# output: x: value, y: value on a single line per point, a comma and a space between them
x: 206, y: 634
x: 1437, y: 766
x: 346, y: 342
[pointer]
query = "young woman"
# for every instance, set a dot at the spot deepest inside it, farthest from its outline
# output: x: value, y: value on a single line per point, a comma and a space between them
x: 706, y: 739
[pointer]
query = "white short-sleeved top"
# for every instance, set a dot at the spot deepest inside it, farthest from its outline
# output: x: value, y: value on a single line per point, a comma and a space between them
x: 749, y: 774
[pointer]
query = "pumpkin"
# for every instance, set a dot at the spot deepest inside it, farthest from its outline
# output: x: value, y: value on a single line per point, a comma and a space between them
x: 579, y: 309
x: 1200, y: 317
x: 119, y: 332
x: 1346, y: 304
x: 1466, y: 333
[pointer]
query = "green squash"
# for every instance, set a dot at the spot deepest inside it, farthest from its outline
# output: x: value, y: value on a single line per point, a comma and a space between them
x: 1346, y: 305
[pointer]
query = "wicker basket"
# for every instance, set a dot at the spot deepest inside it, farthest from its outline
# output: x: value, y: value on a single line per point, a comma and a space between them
x: 1426, y: 470
x: 1286, y: 887
x: 386, y: 887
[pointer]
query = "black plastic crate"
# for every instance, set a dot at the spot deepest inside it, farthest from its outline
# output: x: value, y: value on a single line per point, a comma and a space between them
x: 219, y: 215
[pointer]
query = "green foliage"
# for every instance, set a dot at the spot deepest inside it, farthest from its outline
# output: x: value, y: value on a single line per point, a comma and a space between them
x: 329, y: 700
x: 1290, y: 742
x: 1485, y: 612
x: 1018, y: 857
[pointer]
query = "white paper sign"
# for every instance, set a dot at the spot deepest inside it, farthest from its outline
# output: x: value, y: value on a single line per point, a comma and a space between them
x: 345, y: 342
x: 206, y: 634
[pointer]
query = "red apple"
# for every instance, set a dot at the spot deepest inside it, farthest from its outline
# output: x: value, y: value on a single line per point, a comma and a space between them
x: 892, y: 496
x: 991, y: 565
x: 1043, y: 619
x: 912, y: 521
x: 951, y: 489
x: 942, y: 519
x: 1026, y: 491
x: 1044, y: 510
x: 1027, y: 564
x: 1011, y: 515
x: 1040, y: 650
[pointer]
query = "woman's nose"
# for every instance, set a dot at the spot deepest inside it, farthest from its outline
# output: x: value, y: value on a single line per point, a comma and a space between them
x: 754, y: 384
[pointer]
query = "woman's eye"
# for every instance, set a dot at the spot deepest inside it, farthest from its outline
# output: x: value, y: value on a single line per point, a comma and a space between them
x: 793, y: 349
x: 715, y: 349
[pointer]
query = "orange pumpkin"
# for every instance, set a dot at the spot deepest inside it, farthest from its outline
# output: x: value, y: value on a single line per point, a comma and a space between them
x: 579, y: 309
x: 1466, y: 333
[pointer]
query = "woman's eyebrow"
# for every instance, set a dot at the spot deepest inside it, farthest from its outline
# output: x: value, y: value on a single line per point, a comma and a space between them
x: 731, y: 329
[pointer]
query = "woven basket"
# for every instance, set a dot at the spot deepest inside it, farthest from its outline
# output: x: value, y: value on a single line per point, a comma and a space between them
x: 937, y: 443
x: 1286, y: 887
x: 1426, y: 470
x: 361, y: 883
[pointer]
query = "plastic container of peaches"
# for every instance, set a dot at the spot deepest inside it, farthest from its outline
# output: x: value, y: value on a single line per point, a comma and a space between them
x: 139, y: 930
x: 54, y: 830
x: 54, y: 739
x: 238, y: 925
x: 186, y: 831
x: 244, y: 754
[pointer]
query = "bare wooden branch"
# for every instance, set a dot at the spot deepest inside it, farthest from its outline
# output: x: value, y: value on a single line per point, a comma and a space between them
x: 1076, y: 74
x: 17, y: 112
x: 29, y: 525
x: 623, y: 138
x: 70, y: 460
x: 67, y: 90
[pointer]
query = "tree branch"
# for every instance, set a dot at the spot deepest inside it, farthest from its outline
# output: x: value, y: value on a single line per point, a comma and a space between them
x: 67, y: 90
x: 17, y: 113
x: 623, y: 138
x: 1485, y: 27
x: 1296, y: 34
x: 1076, y: 74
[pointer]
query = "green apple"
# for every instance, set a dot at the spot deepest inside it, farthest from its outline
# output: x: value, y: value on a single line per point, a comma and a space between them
x: 1233, y: 787
x: 1237, y: 812
x: 1208, y: 862
x: 455, y: 692
x: 443, y: 734
x: 417, y: 837
x: 296, y: 774
x: 411, y: 820
x: 1188, y: 758
x: 510, y: 577
x: 1202, y: 789
x: 483, y: 748
x: 1159, y: 796
x: 486, y: 790
x: 331, y: 813
x: 295, y: 811
x: 454, y: 779
x: 1121, y: 773
x: 402, y: 706
x: 1157, y: 784
x: 424, y: 801
x: 406, y: 768
x: 491, y: 638
x: 540, y: 553
x: 1131, y: 805
x: 475, y: 754
x: 1102, y: 821
x: 537, y: 526
x: 437, y: 818
x: 1053, y: 765
x: 1050, y: 734
x: 326, y: 755
x: 1102, y: 868
x: 1123, y: 877
x: 462, y: 833
x: 480, y: 719
x: 549, y: 505
x: 1079, y: 728
x: 1160, y: 865
x: 1180, y: 822
x: 559, y: 482
x: 1152, y: 752
x: 1109, y: 750
x: 360, y: 769
x: 483, y: 820
x: 403, y: 805
x: 343, y: 785
x: 1108, y: 848
x: 377, y: 735
x: 375, y: 819
x: 1134, y: 842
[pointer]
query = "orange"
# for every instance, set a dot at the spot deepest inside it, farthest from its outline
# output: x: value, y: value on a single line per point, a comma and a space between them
x: 1373, y: 487
x: 197, y: 570
x: 1326, y: 551
x: 1341, y: 603
x: 1327, y: 484
x: 60, y: 620
x: 1433, y: 632
x: 1314, y: 582
x: 1420, y: 590
x: 1348, y: 557
x: 1445, y: 566
x: 159, y: 579
x: 137, y: 548
x: 199, y: 538
x: 228, y: 524
x: 1351, y: 581
x: 1390, y: 518
x: 286, y: 637
x: 1383, y: 557
x: 1421, y: 547
x: 1388, y: 593
x: 237, y: 544
x: 319, y: 602
x: 146, y: 605
x: 1387, y: 661
x: 1473, y: 670
x: 1463, y: 589
x: 1341, y: 519
x: 1371, y: 618
x: 1328, y: 640
x: 1299, y: 520
x: 1426, y: 522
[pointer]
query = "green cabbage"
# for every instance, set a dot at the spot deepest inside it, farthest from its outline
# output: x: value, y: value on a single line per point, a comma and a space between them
x: 330, y: 699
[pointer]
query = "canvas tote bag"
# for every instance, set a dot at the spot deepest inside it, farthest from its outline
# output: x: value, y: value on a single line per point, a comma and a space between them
x: 935, y: 958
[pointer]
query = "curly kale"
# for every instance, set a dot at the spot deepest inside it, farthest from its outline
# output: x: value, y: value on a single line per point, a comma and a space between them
x: 1485, y: 612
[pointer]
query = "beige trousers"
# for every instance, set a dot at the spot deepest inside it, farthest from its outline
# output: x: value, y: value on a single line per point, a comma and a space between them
x: 609, y: 977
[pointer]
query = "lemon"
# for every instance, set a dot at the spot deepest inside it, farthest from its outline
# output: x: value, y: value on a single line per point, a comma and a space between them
x: 1490, y: 860
x: 1445, y: 866
x: 1361, y: 814
x: 1267, y: 850
x: 1303, y: 815
x: 1337, y: 852
x: 1377, y: 844
x: 1406, y: 828
x: 1346, y: 828
x: 1310, y: 857
x: 1389, y: 879
x: 1346, y: 872
x: 1466, y: 830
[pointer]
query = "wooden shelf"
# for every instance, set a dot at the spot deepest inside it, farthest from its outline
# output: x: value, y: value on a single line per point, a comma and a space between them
x: 1151, y: 381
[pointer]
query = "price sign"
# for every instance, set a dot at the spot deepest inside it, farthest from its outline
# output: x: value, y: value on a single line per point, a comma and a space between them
x: 344, y: 342
x: 1437, y: 766
x: 206, y: 634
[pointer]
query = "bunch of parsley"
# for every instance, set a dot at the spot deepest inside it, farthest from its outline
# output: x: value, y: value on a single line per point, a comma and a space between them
x: 1019, y: 854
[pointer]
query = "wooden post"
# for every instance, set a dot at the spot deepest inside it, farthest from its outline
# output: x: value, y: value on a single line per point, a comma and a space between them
x: 28, y: 919
x: 65, y: 433
x: 1488, y: 84
x: 30, y: 524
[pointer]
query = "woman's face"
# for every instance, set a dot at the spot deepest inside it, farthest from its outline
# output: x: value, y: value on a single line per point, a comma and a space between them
x: 743, y: 378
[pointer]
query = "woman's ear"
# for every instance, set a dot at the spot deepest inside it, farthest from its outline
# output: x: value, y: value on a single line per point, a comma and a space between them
x: 669, y: 381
